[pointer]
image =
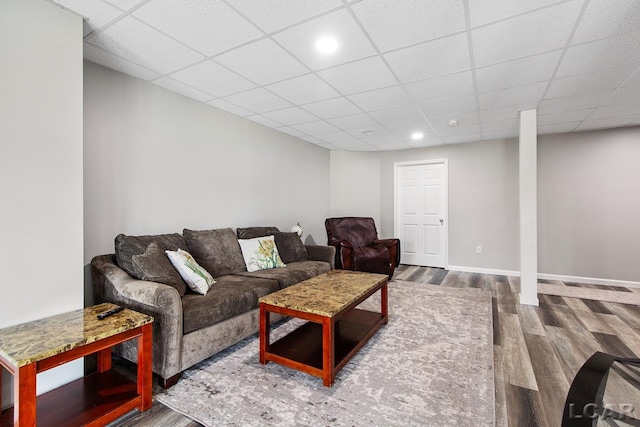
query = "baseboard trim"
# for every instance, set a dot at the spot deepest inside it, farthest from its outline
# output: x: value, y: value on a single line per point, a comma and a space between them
x: 483, y: 270
x: 592, y: 280
x: 546, y: 276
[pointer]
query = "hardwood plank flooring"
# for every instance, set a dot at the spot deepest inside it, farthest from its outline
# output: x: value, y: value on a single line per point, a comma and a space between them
x: 537, y: 350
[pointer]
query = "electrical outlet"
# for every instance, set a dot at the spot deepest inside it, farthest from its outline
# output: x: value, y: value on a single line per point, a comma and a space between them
x: 478, y: 249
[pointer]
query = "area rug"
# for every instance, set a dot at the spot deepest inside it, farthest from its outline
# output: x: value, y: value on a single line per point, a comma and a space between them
x: 620, y: 297
x: 431, y: 365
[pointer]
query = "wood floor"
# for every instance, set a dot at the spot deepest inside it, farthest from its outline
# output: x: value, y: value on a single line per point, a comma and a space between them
x: 537, y: 350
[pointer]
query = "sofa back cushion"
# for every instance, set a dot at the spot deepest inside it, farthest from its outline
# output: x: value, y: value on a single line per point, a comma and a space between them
x: 290, y: 247
x: 253, y: 232
x: 155, y: 266
x: 217, y: 250
x: 128, y: 246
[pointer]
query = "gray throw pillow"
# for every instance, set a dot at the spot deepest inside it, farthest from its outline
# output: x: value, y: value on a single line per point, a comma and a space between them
x: 253, y: 232
x: 128, y: 246
x: 154, y: 265
x: 290, y: 247
x: 218, y: 251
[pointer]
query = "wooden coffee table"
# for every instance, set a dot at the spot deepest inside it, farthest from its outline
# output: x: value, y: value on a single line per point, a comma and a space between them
x: 335, y: 330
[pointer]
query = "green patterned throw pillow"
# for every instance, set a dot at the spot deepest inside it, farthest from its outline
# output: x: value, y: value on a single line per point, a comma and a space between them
x: 195, y: 276
x: 260, y: 253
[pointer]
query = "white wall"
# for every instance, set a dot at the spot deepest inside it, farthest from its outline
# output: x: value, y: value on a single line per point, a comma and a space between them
x: 483, y: 200
x: 589, y: 204
x: 40, y: 169
x: 355, y: 186
x: 158, y: 162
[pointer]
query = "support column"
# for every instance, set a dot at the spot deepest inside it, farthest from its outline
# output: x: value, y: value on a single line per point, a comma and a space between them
x: 528, y: 208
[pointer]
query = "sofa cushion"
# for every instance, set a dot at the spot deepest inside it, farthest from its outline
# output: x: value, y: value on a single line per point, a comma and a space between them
x: 260, y: 253
x: 128, y: 246
x: 291, y: 274
x: 253, y: 232
x: 230, y: 296
x: 290, y: 247
x: 154, y: 266
x: 217, y: 250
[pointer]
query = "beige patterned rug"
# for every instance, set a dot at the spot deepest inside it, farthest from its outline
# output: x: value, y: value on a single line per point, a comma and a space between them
x: 431, y: 365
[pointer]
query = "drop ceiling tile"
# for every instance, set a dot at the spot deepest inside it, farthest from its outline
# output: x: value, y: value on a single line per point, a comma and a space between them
x: 207, y: 26
x: 624, y: 95
x: 290, y: 131
x: 264, y: 121
x: 359, y: 76
x: 303, y: 89
x: 435, y: 58
x: 453, y: 106
x: 501, y: 125
x: 276, y: 14
x: 616, y: 111
x: 559, y: 105
x: 230, y: 108
x: 381, y: 99
x: 213, y: 78
x: 557, y: 128
x: 605, y: 19
x: 356, y: 121
x: 504, y: 113
x: 348, y: 145
x: 385, y: 139
x: 462, y: 139
x: 262, y: 61
x: 397, y: 114
x: 605, y: 123
x: 633, y: 80
x: 182, y: 89
x: 315, y: 128
x: 442, y: 120
x: 138, y: 43
x: 518, y: 72
x: 431, y: 141
x: 513, y: 96
x: 366, y: 147
x: 609, y: 78
x: 564, y: 117
x: 331, y: 108
x: 500, y: 134
x: 486, y: 11
x: 458, y: 130
x: 451, y: 86
x: 124, y: 4
x: 536, y: 32
x: 313, y: 140
x: 588, y: 57
x: 334, y: 137
x: 291, y: 116
x: 258, y: 100
x: 377, y: 130
x: 400, y: 23
x: 102, y: 57
x: 392, y: 146
x: 352, y: 43
x: 96, y: 13
x: 405, y: 128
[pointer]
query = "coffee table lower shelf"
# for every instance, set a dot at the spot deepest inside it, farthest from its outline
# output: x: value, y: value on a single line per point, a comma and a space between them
x: 302, y: 349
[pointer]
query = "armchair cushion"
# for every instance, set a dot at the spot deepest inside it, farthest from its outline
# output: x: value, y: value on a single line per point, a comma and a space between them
x: 374, y: 259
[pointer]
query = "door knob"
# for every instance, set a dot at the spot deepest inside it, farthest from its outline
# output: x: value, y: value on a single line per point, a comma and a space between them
x: 441, y: 221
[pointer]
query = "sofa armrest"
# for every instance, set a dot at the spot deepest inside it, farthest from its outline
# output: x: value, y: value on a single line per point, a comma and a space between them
x: 394, y: 249
x: 322, y: 253
x: 112, y: 284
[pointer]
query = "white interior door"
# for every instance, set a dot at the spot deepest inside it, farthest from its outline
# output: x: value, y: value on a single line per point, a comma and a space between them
x: 421, y: 220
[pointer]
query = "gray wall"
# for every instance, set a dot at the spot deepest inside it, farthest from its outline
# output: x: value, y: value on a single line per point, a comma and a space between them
x: 40, y: 169
x: 589, y: 204
x: 158, y: 162
x: 483, y: 200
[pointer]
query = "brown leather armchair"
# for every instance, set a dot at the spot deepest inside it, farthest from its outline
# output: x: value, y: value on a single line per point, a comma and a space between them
x: 358, y: 247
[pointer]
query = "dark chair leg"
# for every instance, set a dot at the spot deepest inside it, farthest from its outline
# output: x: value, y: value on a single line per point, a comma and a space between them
x: 165, y: 383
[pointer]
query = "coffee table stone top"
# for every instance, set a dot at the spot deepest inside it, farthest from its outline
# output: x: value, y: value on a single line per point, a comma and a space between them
x: 326, y: 294
x: 40, y: 339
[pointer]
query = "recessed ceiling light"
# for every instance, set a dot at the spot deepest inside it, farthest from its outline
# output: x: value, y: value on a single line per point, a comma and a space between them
x: 326, y: 45
x: 417, y: 135
x: 453, y: 122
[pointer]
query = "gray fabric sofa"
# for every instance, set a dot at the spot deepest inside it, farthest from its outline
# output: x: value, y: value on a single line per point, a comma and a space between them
x: 190, y: 327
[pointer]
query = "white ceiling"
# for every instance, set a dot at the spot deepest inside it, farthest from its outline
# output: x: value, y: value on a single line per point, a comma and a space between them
x: 402, y: 65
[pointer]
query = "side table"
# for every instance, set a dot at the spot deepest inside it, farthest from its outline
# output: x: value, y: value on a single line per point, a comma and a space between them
x: 96, y: 399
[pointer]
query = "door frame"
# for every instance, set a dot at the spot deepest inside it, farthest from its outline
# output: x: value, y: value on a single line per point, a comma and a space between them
x: 396, y: 198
